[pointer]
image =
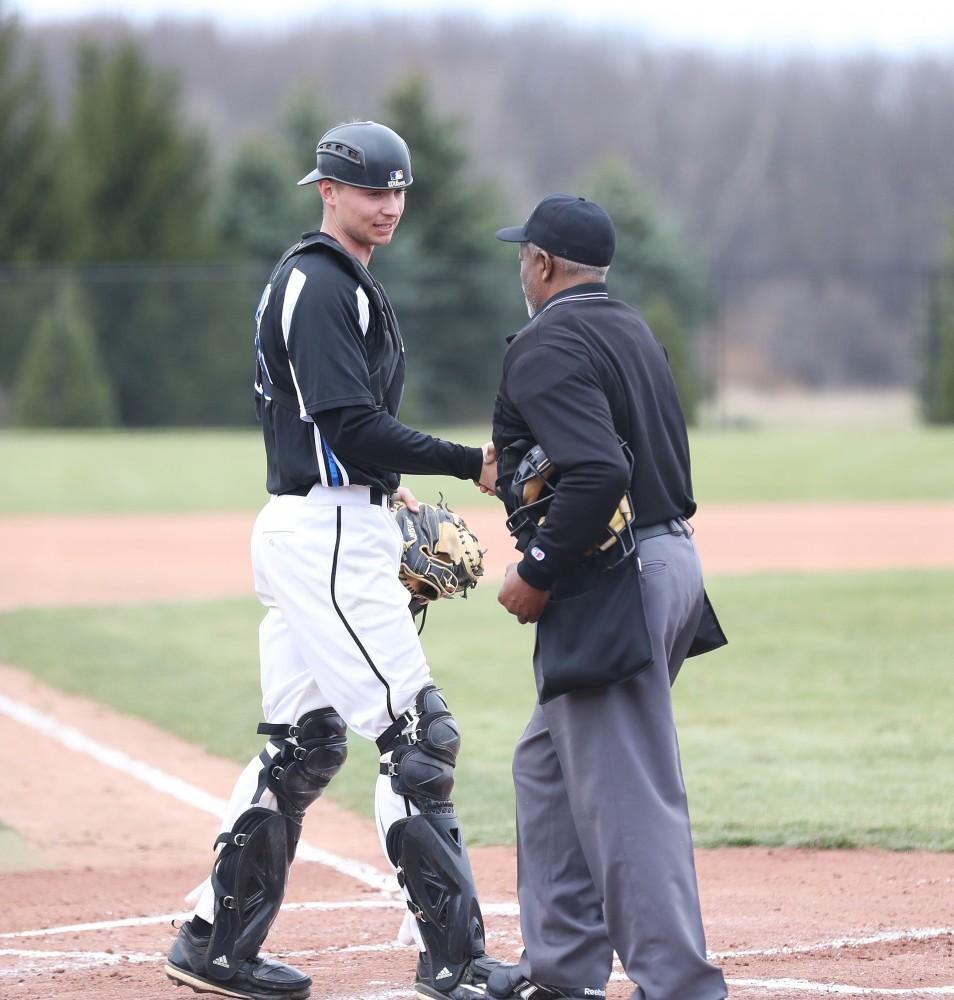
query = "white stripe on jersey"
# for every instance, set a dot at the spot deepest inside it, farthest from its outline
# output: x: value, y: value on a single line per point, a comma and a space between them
x: 320, y: 452
x: 296, y: 282
x: 364, y: 314
x: 321, y: 458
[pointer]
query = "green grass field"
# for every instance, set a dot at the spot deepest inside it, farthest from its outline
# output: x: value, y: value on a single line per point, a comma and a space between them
x: 826, y: 722
x: 60, y: 473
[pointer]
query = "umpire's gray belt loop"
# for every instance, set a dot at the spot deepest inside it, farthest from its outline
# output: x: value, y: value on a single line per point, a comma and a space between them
x: 677, y: 526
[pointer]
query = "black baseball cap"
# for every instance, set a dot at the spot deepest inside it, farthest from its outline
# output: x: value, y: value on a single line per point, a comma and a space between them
x: 568, y: 227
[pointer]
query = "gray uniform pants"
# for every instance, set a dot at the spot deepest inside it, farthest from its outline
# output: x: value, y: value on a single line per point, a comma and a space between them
x: 604, y: 847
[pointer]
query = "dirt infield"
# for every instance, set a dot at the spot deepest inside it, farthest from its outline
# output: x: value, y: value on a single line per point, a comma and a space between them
x: 115, y: 817
x: 83, y: 560
x: 113, y: 855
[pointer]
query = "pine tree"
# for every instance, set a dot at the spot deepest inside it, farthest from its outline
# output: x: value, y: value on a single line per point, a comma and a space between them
x: 30, y: 155
x: 653, y: 270
x: 261, y: 211
x: 938, y: 382
x: 141, y: 195
x: 448, y: 210
x: 454, y: 286
x: 305, y: 119
x: 670, y: 332
x: 62, y: 381
x: 140, y: 176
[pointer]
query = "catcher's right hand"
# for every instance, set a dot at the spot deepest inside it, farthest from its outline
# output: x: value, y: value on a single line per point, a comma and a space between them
x: 441, y: 556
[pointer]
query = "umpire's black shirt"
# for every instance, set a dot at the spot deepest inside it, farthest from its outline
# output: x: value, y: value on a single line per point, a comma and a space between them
x: 585, y: 369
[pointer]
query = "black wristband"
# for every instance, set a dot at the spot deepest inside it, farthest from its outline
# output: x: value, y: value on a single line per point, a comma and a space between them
x: 530, y: 571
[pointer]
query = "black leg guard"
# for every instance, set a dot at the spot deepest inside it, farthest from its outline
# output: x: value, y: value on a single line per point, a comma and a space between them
x: 301, y: 770
x: 428, y: 850
x: 249, y: 879
x: 433, y: 868
x: 251, y: 870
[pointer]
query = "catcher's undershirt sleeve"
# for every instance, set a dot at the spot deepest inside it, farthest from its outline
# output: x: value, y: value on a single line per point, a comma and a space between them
x: 371, y: 437
x: 563, y: 403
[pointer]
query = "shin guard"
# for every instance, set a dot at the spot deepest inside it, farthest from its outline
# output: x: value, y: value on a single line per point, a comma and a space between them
x: 249, y: 879
x: 434, y: 871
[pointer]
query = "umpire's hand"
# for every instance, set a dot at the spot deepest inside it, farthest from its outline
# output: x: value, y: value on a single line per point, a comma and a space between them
x: 520, y: 599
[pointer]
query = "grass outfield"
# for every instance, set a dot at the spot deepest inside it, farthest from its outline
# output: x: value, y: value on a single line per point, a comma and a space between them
x: 170, y: 471
x: 826, y: 722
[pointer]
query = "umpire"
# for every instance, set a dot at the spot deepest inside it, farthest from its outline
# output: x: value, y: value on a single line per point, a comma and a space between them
x: 605, y: 859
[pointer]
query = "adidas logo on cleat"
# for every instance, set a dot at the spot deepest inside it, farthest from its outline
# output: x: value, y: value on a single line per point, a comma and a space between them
x: 221, y: 960
x: 444, y: 973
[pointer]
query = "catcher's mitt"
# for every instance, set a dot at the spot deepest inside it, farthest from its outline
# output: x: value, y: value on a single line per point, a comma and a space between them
x: 441, y: 556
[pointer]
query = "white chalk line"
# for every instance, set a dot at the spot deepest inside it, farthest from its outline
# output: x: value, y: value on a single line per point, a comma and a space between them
x: 198, y: 798
x: 71, y: 961
x: 76, y: 961
x: 181, y: 790
x: 837, y: 989
x: 491, y: 909
x: 67, y: 961
x: 883, y: 937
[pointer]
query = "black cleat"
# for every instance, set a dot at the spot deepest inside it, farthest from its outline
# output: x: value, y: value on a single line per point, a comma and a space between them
x: 506, y: 982
x: 255, y: 979
x: 471, y: 985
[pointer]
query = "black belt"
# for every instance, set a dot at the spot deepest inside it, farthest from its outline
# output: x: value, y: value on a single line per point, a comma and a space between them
x: 677, y: 526
x: 376, y: 496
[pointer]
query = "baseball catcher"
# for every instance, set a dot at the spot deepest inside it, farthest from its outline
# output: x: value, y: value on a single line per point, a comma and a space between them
x: 338, y: 648
x: 441, y: 555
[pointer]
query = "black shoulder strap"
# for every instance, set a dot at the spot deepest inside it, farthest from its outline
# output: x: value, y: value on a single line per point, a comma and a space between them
x: 319, y: 240
x: 309, y: 242
x: 374, y: 291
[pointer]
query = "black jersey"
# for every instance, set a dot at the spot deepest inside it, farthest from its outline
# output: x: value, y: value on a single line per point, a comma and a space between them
x: 585, y: 372
x: 330, y: 377
x: 322, y: 341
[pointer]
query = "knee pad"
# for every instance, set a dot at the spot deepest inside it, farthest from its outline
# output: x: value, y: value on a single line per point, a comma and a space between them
x: 249, y: 878
x: 423, y: 743
x: 310, y: 754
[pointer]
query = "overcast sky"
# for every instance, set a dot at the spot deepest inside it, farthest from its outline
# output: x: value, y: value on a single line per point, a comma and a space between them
x: 826, y: 25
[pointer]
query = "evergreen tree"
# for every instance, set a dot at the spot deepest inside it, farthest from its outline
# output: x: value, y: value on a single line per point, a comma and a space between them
x: 30, y: 157
x: 671, y: 333
x: 304, y: 121
x: 938, y: 381
x: 140, y: 177
x: 261, y: 210
x: 62, y: 381
x: 142, y: 194
x: 653, y: 271
x: 454, y: 286
x: 448, y: 210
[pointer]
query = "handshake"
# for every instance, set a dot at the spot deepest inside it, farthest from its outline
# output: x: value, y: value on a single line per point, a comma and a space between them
x: 488, y: 472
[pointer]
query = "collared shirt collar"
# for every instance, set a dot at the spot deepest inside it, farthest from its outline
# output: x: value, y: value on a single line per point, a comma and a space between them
x: 577, y: 293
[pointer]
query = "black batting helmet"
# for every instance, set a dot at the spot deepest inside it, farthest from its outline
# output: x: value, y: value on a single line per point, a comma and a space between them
x: 363, y: 154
